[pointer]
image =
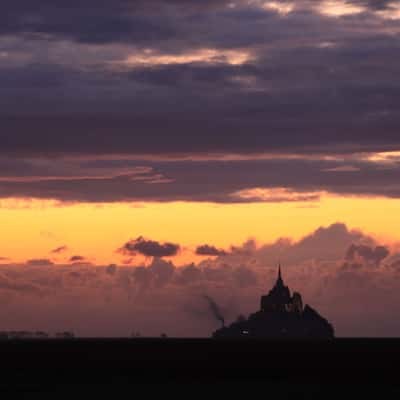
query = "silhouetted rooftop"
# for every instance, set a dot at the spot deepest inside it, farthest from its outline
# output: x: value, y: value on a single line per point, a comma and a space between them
x: 280, y: 316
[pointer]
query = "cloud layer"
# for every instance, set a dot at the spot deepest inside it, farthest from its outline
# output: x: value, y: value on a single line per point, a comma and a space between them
x: 95, y: 95
x: 173, y: 77
x: 347, y: 276
x: 268, y: 179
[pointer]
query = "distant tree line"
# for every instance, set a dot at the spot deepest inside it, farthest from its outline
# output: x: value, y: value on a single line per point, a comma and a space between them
x: 4, y: 335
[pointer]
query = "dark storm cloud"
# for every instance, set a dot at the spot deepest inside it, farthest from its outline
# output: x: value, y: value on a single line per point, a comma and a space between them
x: 149, y: 248
x: 207, y: 250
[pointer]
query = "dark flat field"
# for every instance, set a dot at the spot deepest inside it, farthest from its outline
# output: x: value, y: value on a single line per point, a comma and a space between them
x: 113, y: 364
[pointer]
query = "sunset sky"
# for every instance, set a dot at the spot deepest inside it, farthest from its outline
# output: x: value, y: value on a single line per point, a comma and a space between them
x: 146, y: 141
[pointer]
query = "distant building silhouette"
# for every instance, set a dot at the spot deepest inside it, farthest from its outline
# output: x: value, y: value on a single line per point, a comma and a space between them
x: 64, y: 335
x: 23, y: 335
x: 279, y: 299
x: 281, y: 316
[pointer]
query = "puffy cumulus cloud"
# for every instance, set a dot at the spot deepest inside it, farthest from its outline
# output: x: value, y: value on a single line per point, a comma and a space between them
x: 246, y: 249
x: 142, y: 277
x: 115, y: 300
x: 190, y: 274
x: 149, y: 248
x: 162, y: 271
x: 360, y: 255
x: 324, y: 244
x: 207, y: 250
x: 217, y: 273
x: 363, y: 300
x: 245, y: 276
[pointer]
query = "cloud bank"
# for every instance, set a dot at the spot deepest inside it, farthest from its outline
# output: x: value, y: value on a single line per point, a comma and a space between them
x: 172, y: 77
x: 101, y: 100
x: 346, y: 275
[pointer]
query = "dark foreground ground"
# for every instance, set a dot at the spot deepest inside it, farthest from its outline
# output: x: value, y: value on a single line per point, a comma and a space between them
x: 287, y: 369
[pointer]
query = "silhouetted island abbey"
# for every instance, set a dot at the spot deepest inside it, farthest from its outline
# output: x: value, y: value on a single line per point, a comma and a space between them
x: 281, y: 316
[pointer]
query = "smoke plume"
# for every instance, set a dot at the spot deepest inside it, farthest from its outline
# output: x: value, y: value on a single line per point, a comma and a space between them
x: 215, y: 310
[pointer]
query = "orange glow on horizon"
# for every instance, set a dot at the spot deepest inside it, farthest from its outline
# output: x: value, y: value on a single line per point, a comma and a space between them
x: 96, y: 231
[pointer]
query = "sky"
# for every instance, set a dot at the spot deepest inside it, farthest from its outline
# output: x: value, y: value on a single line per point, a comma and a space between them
x: 156, y: 151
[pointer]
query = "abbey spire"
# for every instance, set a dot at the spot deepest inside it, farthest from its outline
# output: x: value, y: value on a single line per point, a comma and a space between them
x: 279, y: 281
x: 278, y: 298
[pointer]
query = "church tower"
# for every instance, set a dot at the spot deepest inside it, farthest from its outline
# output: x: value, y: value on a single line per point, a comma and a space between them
x: 278, y: 298
x: 279, y: 281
